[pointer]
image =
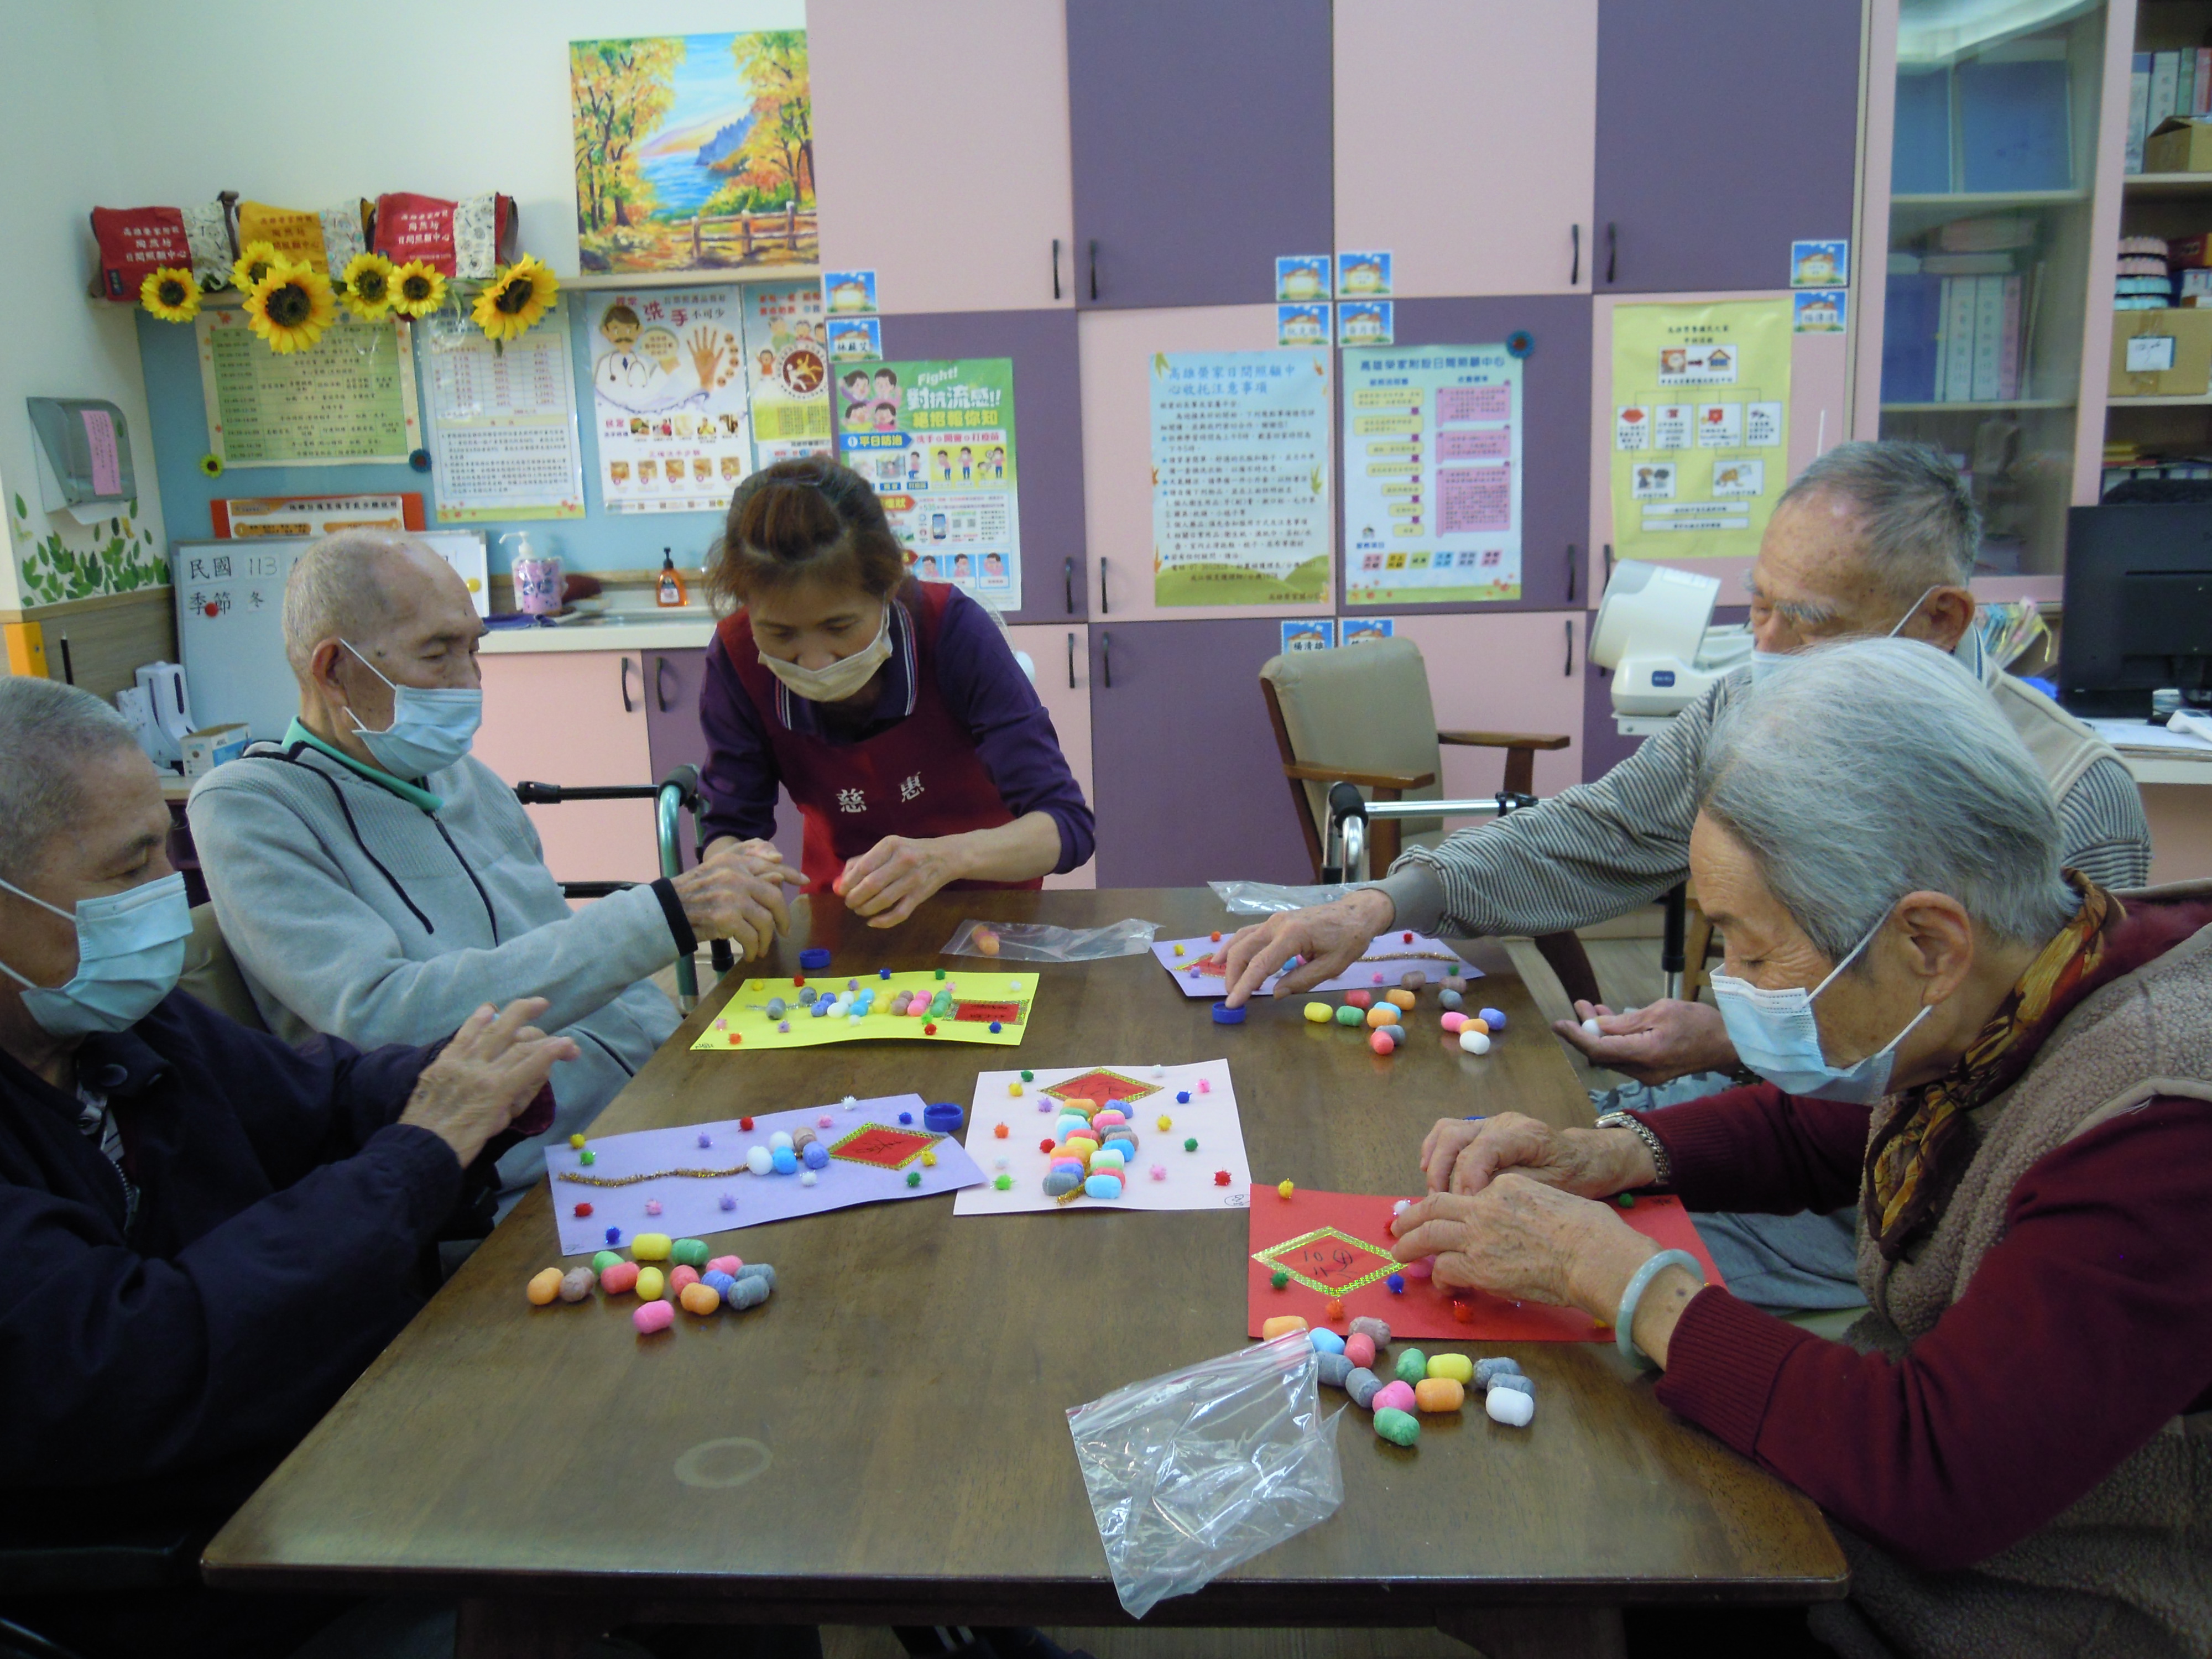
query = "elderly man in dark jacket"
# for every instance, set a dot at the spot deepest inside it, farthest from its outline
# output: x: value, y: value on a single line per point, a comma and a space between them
x: 207, y: 1233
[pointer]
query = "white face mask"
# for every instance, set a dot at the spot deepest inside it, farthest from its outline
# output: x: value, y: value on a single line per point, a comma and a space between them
x: 841, y: 678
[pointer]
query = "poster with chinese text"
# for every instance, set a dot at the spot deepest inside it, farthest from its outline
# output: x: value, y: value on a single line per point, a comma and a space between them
x: 1432, y: 475
x: 937, y: 441
x: 503, y: 421
x: 787, y: 367
x: 668, y: 397
x: 1700, y: 426
x: 350, y: 396
x: 1241, y: 454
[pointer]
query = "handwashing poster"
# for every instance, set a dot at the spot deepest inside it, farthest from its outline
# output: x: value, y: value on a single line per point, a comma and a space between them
x: 668, y: 393
x: 937, y: 441
x: 787, y: 366
x: 1432, y: 478
x: 1700, y: 426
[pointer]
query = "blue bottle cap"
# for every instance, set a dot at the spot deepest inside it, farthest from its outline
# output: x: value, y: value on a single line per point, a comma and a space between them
x: 813, y: 959
x: 943, y: 1117
x: 1225, y: 1015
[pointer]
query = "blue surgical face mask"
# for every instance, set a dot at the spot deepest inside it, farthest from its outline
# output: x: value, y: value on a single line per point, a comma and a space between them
x: 1775, y: 1033
x: 130, y: 950
x: 431, y: 728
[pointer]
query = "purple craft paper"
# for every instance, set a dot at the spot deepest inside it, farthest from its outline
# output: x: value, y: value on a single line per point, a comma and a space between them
x: 1441, y: 959
x: 691, y: 1207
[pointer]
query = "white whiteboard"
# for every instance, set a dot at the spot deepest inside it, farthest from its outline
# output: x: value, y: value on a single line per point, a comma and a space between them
x: 230, y: 629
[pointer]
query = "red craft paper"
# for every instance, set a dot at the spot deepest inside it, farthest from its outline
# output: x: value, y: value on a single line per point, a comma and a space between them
x: 1426, y: 1308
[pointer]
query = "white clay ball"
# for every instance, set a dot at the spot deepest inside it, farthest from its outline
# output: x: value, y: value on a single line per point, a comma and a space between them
x: 1590, y: 1030
x: 1509, y: 1406
x: 1473, y: 1041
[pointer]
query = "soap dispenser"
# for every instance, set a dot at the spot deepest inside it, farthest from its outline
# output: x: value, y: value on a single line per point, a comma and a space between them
x: 671, y: 591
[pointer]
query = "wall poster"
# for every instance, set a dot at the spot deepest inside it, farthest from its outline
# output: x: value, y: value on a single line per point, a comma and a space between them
x: 787, y: 367
x: 350, y: 396
x: 937, y: 441
x: 668, y: 395
x: 1241, y: 460
x: 1432, y: 470
x: 503, y: 421
x: 1700, y: 427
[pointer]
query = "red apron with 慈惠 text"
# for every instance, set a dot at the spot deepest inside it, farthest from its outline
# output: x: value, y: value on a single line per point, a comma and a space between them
x: 920, y: 778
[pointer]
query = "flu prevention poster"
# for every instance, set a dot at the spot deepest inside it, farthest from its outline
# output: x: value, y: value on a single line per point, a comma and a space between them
x: 1240, y: 477
x: 668, y: 394
x: 1432, y: 475
x: 1701, y: 415
x: 937, y: 441
x: 788, y: 367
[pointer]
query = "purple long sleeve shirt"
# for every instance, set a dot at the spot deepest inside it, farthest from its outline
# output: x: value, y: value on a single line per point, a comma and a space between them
x: 981, y: 685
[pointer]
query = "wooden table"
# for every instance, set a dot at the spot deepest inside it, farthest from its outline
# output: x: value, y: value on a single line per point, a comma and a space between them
x: 886, y: 1441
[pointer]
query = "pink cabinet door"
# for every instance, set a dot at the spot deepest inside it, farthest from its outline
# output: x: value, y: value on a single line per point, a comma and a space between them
x: 1466, y: 138
x: 967, y: 219
x: 577, y: 718
x: 1503, y: 670
x: 1062, y: 655
x: 1115, y: 350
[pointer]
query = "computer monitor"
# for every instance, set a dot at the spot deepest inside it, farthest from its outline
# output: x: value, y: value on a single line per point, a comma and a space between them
x: 2138, y: 614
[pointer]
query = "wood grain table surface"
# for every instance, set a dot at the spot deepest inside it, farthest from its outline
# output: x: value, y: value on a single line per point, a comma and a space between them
x: 886, y: 1440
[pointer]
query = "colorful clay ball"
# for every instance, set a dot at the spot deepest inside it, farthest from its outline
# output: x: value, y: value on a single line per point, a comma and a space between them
x: 1360, y: 1348
x: 576, y: 1284
x: 1348, y: 1015
x: 651, y: 1247
x: 1439, y: 1394
x: 1512, y: 1382
x: 1374, y: 1330
x: 1325, y: 1341
x: 1399, y: 1428
x: 652, y: 1317
x: 1280, y: 1325
x: 1506, y: 1405
x: 1319, y: 1013
x: 1451, y: 999
x: 1456, y: 1366
x: 1333, y: 1369
x: 652, y: 1285
x: 1395, y: 1396
x: 1412, y: 1365
x: 619, y: 1280
x: 1493, y: 1017
x: 1473, y: 1041
x: 689, y: 1252
x: 700, y: 1298
x: 545, y: 1286
x: 1486, y: 1371
x: 1362, y: 1385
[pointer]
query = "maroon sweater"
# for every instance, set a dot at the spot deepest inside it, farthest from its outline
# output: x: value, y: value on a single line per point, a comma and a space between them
x: 2082, y: 1332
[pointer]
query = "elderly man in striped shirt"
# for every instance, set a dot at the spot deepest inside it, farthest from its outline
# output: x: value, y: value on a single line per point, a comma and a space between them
x: 1871, y: 540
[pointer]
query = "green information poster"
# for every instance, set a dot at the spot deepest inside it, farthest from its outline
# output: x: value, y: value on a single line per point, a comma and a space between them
x: 1700, y: 426
x: 937, y: 441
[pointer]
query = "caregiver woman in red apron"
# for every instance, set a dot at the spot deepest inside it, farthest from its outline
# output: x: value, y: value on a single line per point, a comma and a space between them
x: 892, y: 709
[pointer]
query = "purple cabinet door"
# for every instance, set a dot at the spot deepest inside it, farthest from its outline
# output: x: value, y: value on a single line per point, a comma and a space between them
x: 1187, y: 785
x: 1726, y: 129
x: 1047, y: 439
x: 1201, y: 143
x: 672, y: 737
x: 1555, y: 435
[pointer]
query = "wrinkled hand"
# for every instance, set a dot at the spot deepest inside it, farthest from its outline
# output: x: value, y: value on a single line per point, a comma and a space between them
x: 737, y: 894
x: 1465, y: 1157
x: 1328, y: 937
x: 1521, y: 1239
x: 1666, y: 1040
x: 887, y: 882
x: 482, y: 1080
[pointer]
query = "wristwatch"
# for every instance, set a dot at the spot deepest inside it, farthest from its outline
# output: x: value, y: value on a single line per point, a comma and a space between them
x: 1642, y: 1131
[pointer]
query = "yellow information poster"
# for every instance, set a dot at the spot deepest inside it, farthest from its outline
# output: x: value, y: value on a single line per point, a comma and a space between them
x: 1700, y: 426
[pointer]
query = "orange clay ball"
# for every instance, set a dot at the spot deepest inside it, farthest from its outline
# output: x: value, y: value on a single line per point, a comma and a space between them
x: 543, y: 1287
x: 1481, y: 1025
x: 1383, y: 1014
x: 1439, y: 1394
x: 701, y: 1299
x: 1403, y: 999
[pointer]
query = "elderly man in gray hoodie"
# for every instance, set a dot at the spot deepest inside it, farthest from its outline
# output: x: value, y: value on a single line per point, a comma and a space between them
x: 376, y: 883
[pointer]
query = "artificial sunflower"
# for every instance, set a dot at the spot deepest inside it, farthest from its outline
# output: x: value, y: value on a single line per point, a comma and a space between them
x: 292, y: 308
x: 211, y: 464
x: 171, y: 294
x: 514, y: 299
x: 365, y: 286
x: 255, y: 263
x: 417, y: 288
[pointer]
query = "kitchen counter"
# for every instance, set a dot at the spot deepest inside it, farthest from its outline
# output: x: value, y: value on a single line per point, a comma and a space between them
x: 687, y: 628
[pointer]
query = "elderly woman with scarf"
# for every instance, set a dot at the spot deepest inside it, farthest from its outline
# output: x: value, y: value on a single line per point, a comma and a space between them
x: 2008, y: 1070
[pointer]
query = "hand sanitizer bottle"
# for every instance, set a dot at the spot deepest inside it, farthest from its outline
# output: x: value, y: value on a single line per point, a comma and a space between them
x: 670, y: 590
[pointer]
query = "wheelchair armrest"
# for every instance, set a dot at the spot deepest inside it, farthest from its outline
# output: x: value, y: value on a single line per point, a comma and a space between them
x: 594, y: 889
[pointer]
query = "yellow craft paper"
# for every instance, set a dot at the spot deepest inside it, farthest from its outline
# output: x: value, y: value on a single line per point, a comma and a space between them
x: 1700, y: 445
x: 745, y: 1016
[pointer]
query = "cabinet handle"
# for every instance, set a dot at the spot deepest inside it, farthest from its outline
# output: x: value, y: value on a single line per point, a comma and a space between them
x: 1574, y: 558
x: 1568, y: 672
x: 1071, y: 661
x: 1067, y: 585
x: 1104, y: 608
x: 659, y: 689
x: 69, y: 668
x: 1575, y: 273
x: 1608, y: 564
x: 1106, y: 658
x: 1094, y: 267
x: 1055, y: 267
x: 628, y: 708
x: 1611, y: 247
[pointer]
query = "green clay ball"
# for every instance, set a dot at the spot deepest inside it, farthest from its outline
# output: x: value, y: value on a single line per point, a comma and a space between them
x: 1413, y: 1366
x: 605, y: 1260
x: 1399, y: 1428
x: 1348, y: 1015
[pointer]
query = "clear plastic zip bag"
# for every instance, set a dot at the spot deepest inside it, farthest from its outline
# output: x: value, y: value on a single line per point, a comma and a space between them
x: 1264, y: 898
x: 1038, y: 941
x: 1195, y: 1471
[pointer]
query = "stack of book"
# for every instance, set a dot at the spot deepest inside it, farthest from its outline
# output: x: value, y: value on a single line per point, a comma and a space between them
x: 1959, y: 329
x: 2125, y: 460
x: 2163, y: 84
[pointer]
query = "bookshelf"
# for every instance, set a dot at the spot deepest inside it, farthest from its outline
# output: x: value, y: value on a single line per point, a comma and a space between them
x: 1987, y: 220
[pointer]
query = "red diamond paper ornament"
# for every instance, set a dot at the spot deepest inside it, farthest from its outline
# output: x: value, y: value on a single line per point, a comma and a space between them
x: 1095, y: 1087
x: 882, y: 1147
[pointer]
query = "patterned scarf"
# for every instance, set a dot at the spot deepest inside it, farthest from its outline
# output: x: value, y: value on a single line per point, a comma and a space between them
x: 1906, y: 1175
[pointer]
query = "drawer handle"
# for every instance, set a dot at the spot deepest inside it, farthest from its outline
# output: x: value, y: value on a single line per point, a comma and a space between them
x: 1055, y: 267
x: 1574, y: 558
x: 1094, y: 267
x: 1611, y: 248
x: 1106, y: 658
x: 1575, y: 273
x: 1071, y: 661
x: 1568, y: 672
x: 628, y: 708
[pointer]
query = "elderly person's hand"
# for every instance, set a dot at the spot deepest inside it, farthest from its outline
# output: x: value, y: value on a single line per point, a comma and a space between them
x: 1329, y: 937
x: 1466, y: 1156
x: 482, y: 1080
x: 1657, y: 1043
x: 1525, y: 1241
x: 737, y: 894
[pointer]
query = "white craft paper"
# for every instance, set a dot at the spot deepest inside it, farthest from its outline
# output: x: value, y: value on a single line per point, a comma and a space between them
x: 1398, y: 956
x: 691, y: 1208
x: 1208, y: 1117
